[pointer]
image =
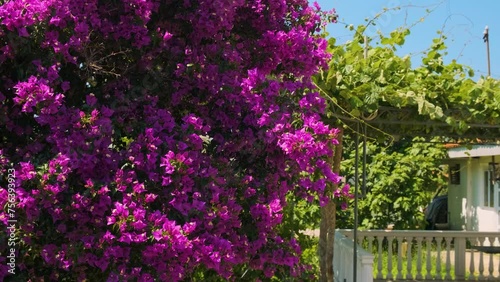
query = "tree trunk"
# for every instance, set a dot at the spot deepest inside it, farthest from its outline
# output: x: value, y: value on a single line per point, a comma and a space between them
x: 327, y: 224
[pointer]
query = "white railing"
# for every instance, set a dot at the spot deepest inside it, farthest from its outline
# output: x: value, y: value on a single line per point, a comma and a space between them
x: 343, y: 257
x: 427, y: 255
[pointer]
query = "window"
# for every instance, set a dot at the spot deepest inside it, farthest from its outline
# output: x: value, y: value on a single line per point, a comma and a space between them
x: 489, y: 188
x: 455, y: 174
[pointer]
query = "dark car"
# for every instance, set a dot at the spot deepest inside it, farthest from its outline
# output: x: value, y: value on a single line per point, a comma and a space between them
x: 436, y: 214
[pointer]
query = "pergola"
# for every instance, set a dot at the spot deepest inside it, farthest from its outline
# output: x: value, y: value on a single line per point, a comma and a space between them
x: 396, y: 123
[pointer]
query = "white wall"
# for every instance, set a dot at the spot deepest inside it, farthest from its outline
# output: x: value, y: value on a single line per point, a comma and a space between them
x: 487, y: 217
x: 466, y: 200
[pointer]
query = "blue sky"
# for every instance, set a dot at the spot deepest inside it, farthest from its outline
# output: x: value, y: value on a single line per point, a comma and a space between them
x: 463, y: 22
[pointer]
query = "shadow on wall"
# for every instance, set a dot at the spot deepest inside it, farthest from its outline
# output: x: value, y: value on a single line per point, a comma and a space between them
x: 470, y: 217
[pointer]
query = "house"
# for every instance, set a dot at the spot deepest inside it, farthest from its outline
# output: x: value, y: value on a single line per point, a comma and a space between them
x: 474, y: 189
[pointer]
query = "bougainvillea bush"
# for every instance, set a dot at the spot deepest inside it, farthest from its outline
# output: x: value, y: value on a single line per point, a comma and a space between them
x: 154, y: 140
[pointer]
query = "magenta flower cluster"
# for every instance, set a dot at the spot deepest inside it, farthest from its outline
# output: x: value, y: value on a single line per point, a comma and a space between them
x: 156, y: 140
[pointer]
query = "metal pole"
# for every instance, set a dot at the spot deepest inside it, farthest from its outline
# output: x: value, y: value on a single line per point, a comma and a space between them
x: 486, y: 38
x: 356, y: 180
x: 363, y: 185
x: 355, y: 230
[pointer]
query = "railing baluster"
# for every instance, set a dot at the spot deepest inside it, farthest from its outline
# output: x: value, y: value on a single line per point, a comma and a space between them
x: 409, y: 264
x: 481, y: 260
x: 380, y: 240
x: 400, y: 258
x: 497, y: 243
x: 361, y: 238
x: 472, y: 265
x: 498, y: 269
x: 490, y: 264
x: 448, y: 257
x: 428, y: 242
x: 419, y: 258
x: 370, y: 243
x: 389, y: 256
x: 438, y: 257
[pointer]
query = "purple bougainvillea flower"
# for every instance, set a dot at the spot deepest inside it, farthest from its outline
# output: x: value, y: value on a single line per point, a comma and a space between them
x: 157, y: 140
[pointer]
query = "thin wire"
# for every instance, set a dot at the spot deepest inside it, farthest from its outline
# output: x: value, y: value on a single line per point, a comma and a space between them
x: 352, y: 116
